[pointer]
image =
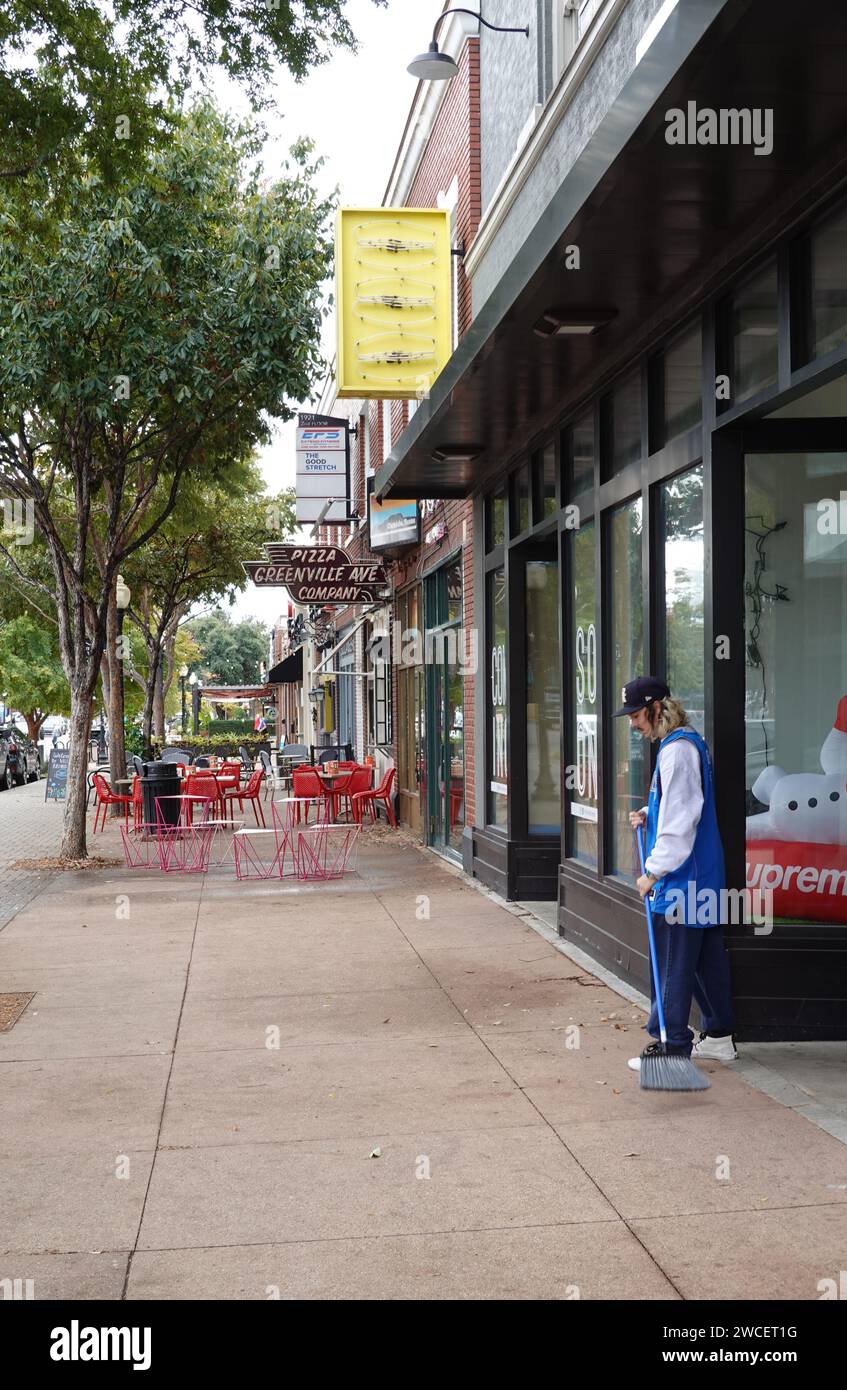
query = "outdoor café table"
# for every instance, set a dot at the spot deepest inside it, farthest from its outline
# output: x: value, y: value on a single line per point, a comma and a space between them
x: 186, y: 800
x: 216, y: 824
x: 248, y: 861
x: 329, y: 780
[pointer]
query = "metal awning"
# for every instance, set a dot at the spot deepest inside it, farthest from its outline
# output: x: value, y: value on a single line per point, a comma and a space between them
x: 288, y: 671
x: 658, y: 226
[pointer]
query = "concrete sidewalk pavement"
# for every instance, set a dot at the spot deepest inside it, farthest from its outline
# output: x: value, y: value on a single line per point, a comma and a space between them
x: 385, y: 1087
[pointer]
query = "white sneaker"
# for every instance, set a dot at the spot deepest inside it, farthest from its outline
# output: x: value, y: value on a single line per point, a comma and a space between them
x: 708, y: 1049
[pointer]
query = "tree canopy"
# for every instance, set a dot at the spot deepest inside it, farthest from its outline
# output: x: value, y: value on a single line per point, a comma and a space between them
x: 96, y: 84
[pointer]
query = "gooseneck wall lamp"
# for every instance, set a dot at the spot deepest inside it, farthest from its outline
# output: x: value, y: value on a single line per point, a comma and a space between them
x: 433, y: 66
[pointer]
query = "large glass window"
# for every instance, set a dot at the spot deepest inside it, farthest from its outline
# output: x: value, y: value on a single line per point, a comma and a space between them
x: 495, y: 520
x: 629, y: 751
x: 682, y: 384
x: 754, y: 334
x: 582, y: 782
x: 545, y: 483
x: 543, y: 697
x: 498, y: 782
x: 580, y: 448
x: 681, y: 502
x: 829, y: 283
x: 796, y: 699
x: 520, y: 501
x: 623, y: 413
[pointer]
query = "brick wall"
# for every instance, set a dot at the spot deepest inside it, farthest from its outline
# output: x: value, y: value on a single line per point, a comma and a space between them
x: 452, y: 153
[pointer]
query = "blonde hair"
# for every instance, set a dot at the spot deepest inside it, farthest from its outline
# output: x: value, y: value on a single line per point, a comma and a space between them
x: 671, y: 715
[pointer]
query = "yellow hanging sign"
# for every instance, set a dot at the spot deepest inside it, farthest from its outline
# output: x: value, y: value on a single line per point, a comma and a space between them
x: 394, y: 301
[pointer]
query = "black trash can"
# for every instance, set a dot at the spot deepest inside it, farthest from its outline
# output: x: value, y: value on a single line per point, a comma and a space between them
x: 160, y: 779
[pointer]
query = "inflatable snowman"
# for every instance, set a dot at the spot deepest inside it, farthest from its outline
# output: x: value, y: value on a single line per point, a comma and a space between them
x: 797, y: 849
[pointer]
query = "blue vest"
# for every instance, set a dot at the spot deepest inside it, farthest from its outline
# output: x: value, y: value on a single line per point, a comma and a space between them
x: 691, y: 893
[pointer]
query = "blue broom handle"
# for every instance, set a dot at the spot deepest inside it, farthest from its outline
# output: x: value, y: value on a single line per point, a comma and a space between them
x: 657, y: 983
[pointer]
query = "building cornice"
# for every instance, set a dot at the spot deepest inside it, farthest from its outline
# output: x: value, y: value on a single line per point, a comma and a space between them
x: 539, y: 131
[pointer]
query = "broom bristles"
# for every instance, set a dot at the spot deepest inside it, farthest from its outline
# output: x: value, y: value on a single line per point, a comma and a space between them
x: 669, y: 1071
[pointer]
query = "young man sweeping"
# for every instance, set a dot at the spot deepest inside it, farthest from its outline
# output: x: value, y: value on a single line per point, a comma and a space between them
x: 684, y: 855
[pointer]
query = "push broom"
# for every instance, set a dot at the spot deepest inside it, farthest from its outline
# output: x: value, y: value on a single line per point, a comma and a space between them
x: 663, y: 1070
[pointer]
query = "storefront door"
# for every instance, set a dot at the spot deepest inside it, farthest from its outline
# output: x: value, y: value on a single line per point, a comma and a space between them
x: 445, y: 739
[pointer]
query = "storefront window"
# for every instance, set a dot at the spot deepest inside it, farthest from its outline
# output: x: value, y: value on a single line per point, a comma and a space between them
x: 495, y: 520
x: 682, y: 386
x: 629, y: 750
x: 681, y: 502
x: 453, y: 583
x: 754, y: 334
x: 498, y: 782
x: 581, y: 454
x: 545, y: 483
x: 582, y: 783
x: 520, y: 501
x: 543, y: 697
x: 829, y: 284
x: 796, y: 699
x: 623, y: 433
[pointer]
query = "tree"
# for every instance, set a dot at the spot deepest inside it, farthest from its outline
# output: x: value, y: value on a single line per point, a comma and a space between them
x: 230, y: 652
x: 32, y: 674
x: 197, y: 558
x: 30, y: 663
x: 150, y: 336
x: 90, y: 84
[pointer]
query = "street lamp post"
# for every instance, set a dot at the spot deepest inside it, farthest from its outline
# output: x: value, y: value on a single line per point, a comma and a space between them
x: 192, y: 681
x: 183, y: 676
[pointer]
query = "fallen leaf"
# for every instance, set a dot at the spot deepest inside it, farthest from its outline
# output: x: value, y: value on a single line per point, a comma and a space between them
x: 375, y: 1153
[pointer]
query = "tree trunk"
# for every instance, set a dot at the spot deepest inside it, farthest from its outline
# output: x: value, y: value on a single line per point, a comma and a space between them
x: 159, y: 702
x: 34, y: 720
x: 73, y: 836
x: 114, y: 659
x: 149, y: 695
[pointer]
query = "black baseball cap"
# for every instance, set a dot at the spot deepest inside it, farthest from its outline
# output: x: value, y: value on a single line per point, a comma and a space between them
x: 639, y: 692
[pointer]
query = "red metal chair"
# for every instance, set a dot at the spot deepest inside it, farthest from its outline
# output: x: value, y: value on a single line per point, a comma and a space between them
x: 252, y: 792
x: 306, y: 783
x: 105, y: 798
x: 201, y: 784
x: 381, y: 793
x: 360, y: 780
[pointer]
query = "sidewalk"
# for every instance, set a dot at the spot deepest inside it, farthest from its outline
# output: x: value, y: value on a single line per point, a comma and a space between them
x: 242, y: 1088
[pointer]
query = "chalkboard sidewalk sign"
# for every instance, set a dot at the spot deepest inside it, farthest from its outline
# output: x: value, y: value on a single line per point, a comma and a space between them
x: 57, y: 774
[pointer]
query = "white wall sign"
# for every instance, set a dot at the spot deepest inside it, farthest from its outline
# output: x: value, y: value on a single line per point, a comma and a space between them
x: 323, y: 468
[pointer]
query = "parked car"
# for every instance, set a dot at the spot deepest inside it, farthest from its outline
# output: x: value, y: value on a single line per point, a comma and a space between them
x: 20, y: 760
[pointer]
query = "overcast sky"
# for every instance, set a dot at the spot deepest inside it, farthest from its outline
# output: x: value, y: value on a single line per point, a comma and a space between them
x: 355, y: 109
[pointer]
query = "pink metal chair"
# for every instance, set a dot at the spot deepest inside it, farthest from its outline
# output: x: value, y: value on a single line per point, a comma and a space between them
x: 326, y: 851
x: 381, y: 793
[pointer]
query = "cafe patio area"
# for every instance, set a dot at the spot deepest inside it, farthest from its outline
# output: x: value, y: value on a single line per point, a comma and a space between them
x: 383, y: 1085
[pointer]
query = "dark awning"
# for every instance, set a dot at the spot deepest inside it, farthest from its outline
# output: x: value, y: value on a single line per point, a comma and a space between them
x: 659, y: 227
x: 288, y: 671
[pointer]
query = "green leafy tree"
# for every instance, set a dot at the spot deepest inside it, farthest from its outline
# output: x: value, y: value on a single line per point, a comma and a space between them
x: 150, y: 337
x: 32, y: 675
x: 196, y: 558
x: 230, y: 652
x: 93, y: 84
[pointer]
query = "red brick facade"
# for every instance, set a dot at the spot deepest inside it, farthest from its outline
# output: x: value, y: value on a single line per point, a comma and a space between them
x: 451, y: 161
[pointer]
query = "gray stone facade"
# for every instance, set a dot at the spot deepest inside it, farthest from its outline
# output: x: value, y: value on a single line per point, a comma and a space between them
x: 517, y: 73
